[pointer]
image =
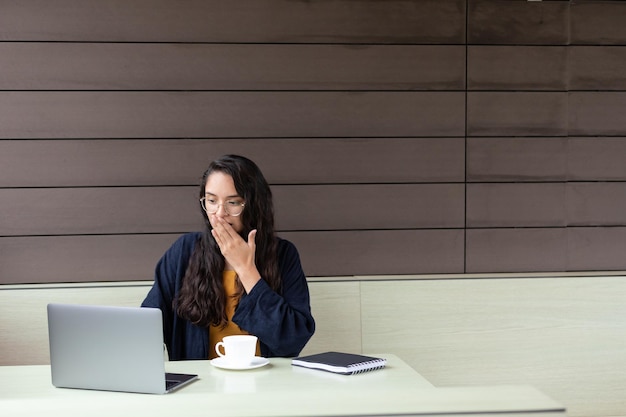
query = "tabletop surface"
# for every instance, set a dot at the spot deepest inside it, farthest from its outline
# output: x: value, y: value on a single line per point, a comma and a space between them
x: 277, y: 389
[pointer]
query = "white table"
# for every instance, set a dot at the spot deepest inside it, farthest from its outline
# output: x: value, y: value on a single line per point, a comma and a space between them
x: 277, y: 389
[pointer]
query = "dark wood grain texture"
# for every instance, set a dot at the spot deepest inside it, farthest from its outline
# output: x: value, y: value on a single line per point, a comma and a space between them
x: 119, y: 210
x: 143, y: 162
x: 517, y: 22
x: 597, y: 113
x: 48, y: 259
x: 597, y: 68
x: 29, y: 115
x: 232, y: 67
x: 517, y: 114
x: 597, y: 22
x: 515, y: 68
x: 516, y: 250
x: 399, y: 137
x: 271, y: 21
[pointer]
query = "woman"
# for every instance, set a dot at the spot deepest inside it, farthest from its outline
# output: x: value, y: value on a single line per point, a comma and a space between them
x: 236, y: 277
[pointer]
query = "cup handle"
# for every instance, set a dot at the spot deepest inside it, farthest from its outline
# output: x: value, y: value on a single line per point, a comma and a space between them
x: 217, y: 349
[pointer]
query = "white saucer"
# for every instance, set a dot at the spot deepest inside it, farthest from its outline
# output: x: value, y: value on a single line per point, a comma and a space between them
x: 223, y: 363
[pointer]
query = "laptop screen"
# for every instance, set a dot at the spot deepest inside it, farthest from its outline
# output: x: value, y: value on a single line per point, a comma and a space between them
x: 107, y: 348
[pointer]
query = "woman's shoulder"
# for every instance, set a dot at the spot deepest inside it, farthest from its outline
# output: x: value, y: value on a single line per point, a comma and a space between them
x: 186, y: 242
x: 189, y: 237
x: 286, y: 248
x: 284, y: 243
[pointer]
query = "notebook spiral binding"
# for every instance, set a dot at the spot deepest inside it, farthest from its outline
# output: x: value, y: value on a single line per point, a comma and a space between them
x: 367, y: 366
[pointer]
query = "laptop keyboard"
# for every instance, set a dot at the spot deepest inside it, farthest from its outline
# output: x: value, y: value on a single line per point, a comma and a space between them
x: 169, y: 383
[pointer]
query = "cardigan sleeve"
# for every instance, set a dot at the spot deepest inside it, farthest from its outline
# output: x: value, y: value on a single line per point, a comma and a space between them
x: 183, y: 339
x: 282, y: 322
x: 161, y: 295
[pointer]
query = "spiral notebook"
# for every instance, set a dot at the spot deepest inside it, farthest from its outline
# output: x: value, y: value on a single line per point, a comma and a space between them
x: 340, y: 362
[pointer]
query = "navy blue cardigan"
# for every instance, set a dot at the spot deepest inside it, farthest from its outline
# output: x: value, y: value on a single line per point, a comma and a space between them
x: 282, y: 322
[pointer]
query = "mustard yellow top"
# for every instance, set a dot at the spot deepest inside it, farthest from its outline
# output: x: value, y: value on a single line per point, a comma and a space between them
x: 216, y: 333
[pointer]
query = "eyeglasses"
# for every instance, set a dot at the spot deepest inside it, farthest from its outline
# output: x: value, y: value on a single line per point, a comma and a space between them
x: 231, y: 207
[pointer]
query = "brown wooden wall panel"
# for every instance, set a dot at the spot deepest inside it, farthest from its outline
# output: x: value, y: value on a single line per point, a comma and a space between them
x: 96, y: 162
x: 597, y: 113
x: 516, y: 250
x: 141, y: 66
x: 596, y: 204
x: 51, y: 259
x: 516, y: 205
x: 596, y: 248
x: 546, y: 204
x: 517, y: 68
x: 517, y: 159
x: 133, y: 257
x: 384, y: 132
x: 116, y: 210
x: 107, y: 210
x: 517, y: 114
x: 597, y: 67
x: 30, y: 115
x: 546, y: 159
x: 367, y: 206
x: 597, y: 159
x: 517, y: 22
x: 597, y: 22
x: 362, y: 21
x: 379, y: 251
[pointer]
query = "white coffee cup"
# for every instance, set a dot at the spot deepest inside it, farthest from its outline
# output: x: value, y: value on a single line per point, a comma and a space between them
x: 239, y: 350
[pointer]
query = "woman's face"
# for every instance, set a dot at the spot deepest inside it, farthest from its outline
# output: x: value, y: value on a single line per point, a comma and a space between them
x: 220, y: 190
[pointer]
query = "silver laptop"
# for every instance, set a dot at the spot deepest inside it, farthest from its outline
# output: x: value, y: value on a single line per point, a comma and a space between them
x: 109, y: 348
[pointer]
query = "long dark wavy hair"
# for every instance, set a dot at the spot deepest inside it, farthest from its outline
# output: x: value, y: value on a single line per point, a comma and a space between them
x: 201, y: 299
